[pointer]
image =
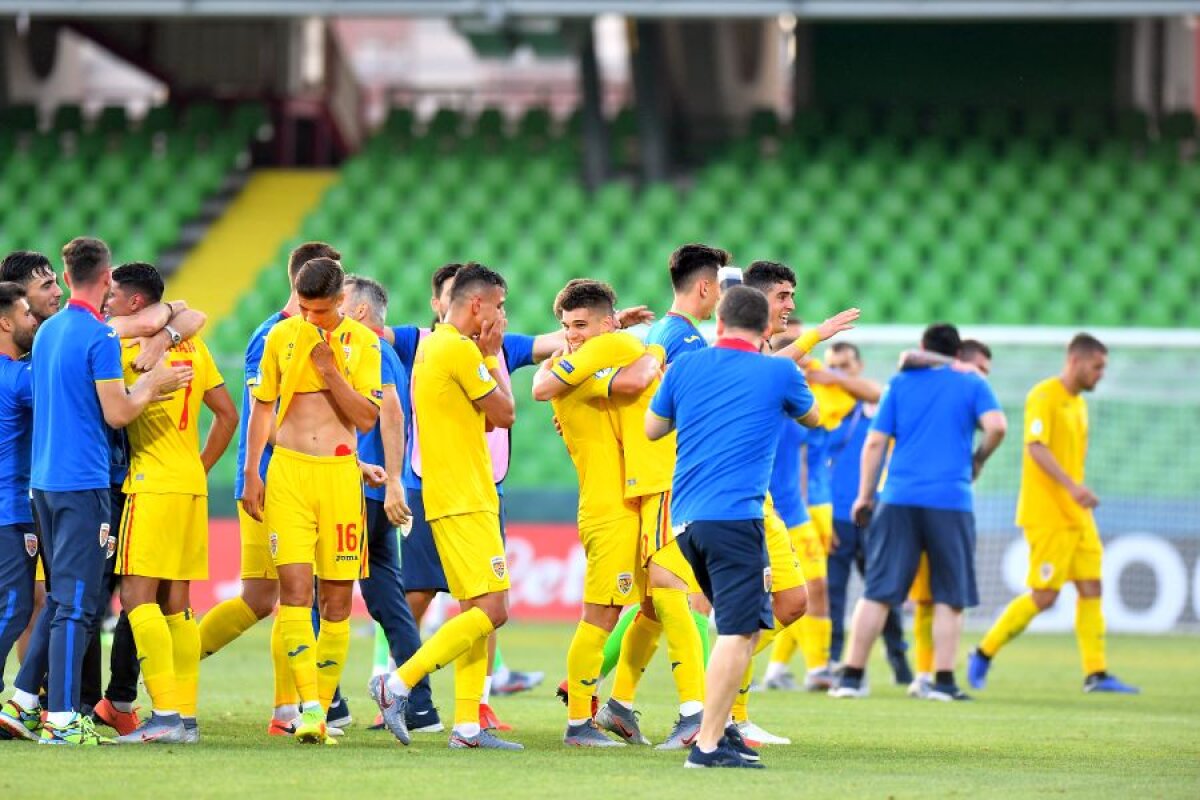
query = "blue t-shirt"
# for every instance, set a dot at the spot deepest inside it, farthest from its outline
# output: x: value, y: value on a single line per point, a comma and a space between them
x: 118, y: 456
x: 932, y: 415
x: 16, y: 440
x: 254, y: 354
x: 729, y: 404
x: 785, y: 476
x: 820, y: 478
x: 518, y: 352
x: 72, y: 351
x: 370, y: 444
x: 677, y: 335
x: 845, y: 454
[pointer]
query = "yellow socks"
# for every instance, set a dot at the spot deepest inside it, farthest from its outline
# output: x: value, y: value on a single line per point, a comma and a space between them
x: 923, y: 638
x: 741, y: 701
x: 453, y: 639
x: 786, y: 642
x: 285, y: 684
x: 470, y: 673
x: 1015, y: 618
x: 816, y: 633
x: 1089, y: 632
x: 185, y: 646
x: 637, y: 648
x: 295, y: 628
x: 584, y: 658
x: 333, y: 645
x: 153, y: 640
x: 223, y: 623
x: 684, y: 647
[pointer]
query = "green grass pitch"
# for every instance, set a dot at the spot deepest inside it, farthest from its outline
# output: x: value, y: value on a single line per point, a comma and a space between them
x: 1032, y: 733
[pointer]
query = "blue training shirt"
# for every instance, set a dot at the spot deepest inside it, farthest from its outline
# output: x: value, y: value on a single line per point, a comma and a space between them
x: 729, y: 403
x: 16, y: 440
x: 370, y: 444
x: 72, y: 351
x: 820, y: 477
x: 518, y: 353
x: 254, y: 354
x: 845, y: 453
x: 677, y: 335
x: 932, y: 415
x: 785, y: 476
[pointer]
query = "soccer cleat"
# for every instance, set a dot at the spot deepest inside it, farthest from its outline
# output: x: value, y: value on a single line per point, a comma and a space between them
x: 851, y: 688
x: 684, y: 733
x: 156, y: 730
x: 311, y: 728
x: 586, y: 734
x: 519, y: 682
x: 426, y: 721
x: 723, y: 756
x: 736, y: 742
x: 901, y: 671
x: 819, y: 680
x: 338, y: 715
x: 784, y: 682
x: 561, y: 694
x: 484, y: 740
x: 756, y: 736
x: 616, y: 718
x: 377, y: 725
x: 281, y: 727
x: 393, y: 707
x: 1102, y: 682
x: 80, y: 731
x: 123, y: 722
x: 191, y: 731
x: 489, y: 721
x: 20, y: 723
x: 946, y: 693
x: 920, y: 686
x: 977, y: 669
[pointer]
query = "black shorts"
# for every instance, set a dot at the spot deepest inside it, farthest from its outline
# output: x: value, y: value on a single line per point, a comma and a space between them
x: 730, y: 560
x: 897, y: 537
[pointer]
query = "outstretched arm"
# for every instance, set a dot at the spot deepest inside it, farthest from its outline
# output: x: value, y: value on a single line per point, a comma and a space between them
x: 842, y: 321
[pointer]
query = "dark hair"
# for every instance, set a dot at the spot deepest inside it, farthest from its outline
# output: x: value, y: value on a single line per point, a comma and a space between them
x: 943, y: 338
x: 472, y: 275
x: 372, y: 292
x: 762, y: 275
x: 442, y: 274
x: 585, y: 293
x: 22, y: 266
x: 849, y: 347
x: 86, y: 258
x: 10, y: 293
x: 307, y: 252
x: 690, y: 259
x: 972, y: 347
x: 320, y: 278
x: 141, y: 278
x: 743, y: 308
x: 1084, y: 344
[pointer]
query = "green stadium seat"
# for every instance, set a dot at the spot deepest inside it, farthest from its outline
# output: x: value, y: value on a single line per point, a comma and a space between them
x: 1131, y: 125
x: 901, y: 124
x: 112, y: 119
x: 854, y: 122
x: 948, y: 123
x: 201, y: 117
x: 1041, y: 124
x: 763, y: 123
x: 158, y: 119
x: 1088, y: 124
x: 810, y: 124
x: 19, y: 117
x: 995, y: 123
x: 68, y: 118
x: 1178, y: 125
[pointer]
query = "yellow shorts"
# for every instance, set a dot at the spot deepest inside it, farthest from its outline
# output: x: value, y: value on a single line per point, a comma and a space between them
x: 164, y: 536
x: 658, y: 543
x: 1058, y: 555
x: 785, y: 566
x: 822, y: 520
x: 256, y: 553
x: 814, y: 562
x: 315, y: 514
x: 920, y: 591
x: 472, y: 553
x: 613, y: 577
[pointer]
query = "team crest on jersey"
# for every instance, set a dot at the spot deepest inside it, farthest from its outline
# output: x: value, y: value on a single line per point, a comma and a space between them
x: 104, y: 526
x: 767, y: 580
x: 273, y: 543
x: 624, y: 582
x: 484, y: 375
x: 604, y: 372
x: 31, y: 544
x: 499, y: 568
x: 1047, y: 570
x: 1036, y: 427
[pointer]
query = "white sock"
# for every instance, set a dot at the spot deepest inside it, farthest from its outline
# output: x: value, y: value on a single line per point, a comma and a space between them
x: 121, y: 706
x: 287, y: 712
x: 622, y: 703
x: 775, y: 669
x: 467, y: 729
x: 487, y: 690
x: 397, y: 686
x: 574, y: 722
x: 158, y: 712
x: 60, y: 719
x: 392, y: 664
x: 311, y: 705
x: 690, y: 707
x: 502, y: 675
x: 25, y: 700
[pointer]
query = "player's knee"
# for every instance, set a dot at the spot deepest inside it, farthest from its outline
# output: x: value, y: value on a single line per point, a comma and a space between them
x: 648, y: 609
x: 699, y: 603
x: 1045, y: 598
x: 498, y: 614
x: 790, y: 605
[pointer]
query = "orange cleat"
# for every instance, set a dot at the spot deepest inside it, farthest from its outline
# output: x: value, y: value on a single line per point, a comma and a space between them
x: 123, y: 722
x: 279, y: 727
x: 489, y: 721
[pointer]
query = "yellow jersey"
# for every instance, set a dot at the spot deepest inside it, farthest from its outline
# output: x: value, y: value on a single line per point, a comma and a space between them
x: 164, y: 440
x: 456, y: 467
x: 591, y: 441
x: 1059, y: 420
x: 286, y: 369
x: 834, y: 401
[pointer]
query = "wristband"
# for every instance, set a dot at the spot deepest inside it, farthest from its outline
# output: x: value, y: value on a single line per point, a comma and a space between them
x: 808, y: 340
x: 491, y: 363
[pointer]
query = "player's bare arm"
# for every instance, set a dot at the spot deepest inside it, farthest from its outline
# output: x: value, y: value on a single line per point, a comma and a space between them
x: 860, y: 388
x: 146, y: 322
x: 811, y: 418
x: 358, y: 410
x: 547, y: 344
x: 924, y: 359
x: 994, y: 426
x: 1042, y: 456
x: 224, y: 425
x: 631, y: 381
x: 262, y: 415
x: 121, y: 407
x: 872, y: 462
x: 657, y: 427
x: 547, y: 385
x: 391, y: 431
x: 799, y: 349
x: 373, y: 475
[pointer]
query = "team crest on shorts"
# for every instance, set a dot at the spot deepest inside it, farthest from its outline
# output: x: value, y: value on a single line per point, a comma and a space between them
x: 112, y: 547
x: 767, y: 580
x: 104, y: 527
x: 499, y: 568
x: 1047, y: 570
x: 31, y: 544
x: 273, y: 543
x: 624, y: 582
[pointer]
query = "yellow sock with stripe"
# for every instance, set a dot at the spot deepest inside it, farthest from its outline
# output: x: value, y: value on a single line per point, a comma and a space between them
x: 295, y: 628
x: 156, y: 656
x: 333, y: 645
x: 584, y: 657
x: 1089, y: 632
x: 223, y: 623
x: 454, y: 638
x: 285, y: 684
x: 923, y: 638
x: 740, y: 712
x: 470, y: 673
x: 1016, y: 618
x: 185, y: 647
x: 637, y: 648
x: 816, y: 634
x: 684, y: 647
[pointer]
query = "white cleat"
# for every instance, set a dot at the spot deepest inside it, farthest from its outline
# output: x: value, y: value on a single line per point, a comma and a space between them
x: 756, y: 736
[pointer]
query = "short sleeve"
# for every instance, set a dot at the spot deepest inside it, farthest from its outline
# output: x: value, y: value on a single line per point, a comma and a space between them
x: 985, y: 398
x: 798, y: 398
x: 602, y: 352
x: 663, y: 403
x: 265, y: 385
x: 1039, y: 418
x: 405, y: 339
x: 518, y: 351
x: 598, y: 386
x: 104, y: 356
x: 368, y: 373
x: 469, y: 370
x: 885, y: 417
x: 387, y: 368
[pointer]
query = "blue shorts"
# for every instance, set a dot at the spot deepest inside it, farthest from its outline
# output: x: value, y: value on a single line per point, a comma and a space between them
x: 731, y: 564
x: 422, y: 568
x: 897, y: 537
